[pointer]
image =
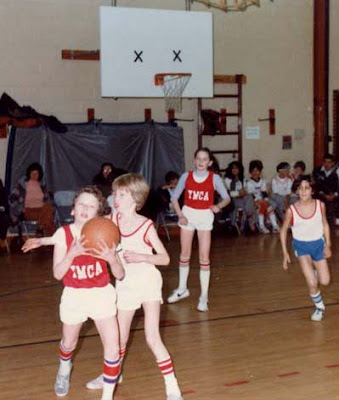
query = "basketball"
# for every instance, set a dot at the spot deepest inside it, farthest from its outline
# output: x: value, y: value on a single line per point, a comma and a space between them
x: 100, y: 229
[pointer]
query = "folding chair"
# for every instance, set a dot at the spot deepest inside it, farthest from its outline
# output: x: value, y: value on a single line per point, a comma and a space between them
x: 166, y: 220
x: 63, y: 202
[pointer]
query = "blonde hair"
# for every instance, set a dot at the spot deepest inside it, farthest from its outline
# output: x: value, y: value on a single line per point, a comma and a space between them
x: 134, y: 183
x: 97, y: 194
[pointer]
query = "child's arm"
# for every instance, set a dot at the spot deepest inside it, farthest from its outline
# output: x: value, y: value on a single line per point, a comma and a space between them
x: 34, y: 243
x: 111, y: 256
x: 182, y: 219
x: 283, y: 238
x: 327, y: 235
x: 62, y: 259
x: 160, y: 258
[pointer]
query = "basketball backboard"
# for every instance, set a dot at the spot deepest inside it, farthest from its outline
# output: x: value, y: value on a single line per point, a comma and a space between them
x: 137, y: 44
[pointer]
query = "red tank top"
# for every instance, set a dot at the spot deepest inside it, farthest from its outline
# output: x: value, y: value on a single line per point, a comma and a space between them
x: 199, y: 195
x: 86, y: 271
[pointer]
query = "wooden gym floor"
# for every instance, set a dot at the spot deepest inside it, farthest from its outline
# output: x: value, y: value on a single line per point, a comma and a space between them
x: 256, y: 342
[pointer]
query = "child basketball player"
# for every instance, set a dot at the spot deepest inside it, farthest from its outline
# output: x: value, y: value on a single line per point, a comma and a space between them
x: 87, y: 290
x: 141, y: 287
x: 311, y: 241
x: 197, y: 214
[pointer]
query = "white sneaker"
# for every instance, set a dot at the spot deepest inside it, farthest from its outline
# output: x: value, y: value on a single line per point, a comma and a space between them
x: 203, y: 304
x: 177, y: 295
x: 98, y: 382
x: 263, y: 229
x: 61, y: 385
x: 318, y: 315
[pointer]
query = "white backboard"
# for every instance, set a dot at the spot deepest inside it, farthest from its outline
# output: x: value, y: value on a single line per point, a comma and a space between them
x: 138, y: 43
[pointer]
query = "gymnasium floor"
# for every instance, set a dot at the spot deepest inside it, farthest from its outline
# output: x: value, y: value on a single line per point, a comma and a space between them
x: 256, y: 342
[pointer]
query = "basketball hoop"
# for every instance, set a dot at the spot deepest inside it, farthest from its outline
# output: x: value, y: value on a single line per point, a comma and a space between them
x: 173, y: 85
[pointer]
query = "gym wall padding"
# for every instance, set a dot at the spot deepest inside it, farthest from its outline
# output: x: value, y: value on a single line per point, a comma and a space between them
x: 71, y: 160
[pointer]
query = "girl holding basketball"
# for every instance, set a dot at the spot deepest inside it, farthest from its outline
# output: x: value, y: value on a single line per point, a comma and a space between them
x: 311, y: 241
x: 197, y: 214
x: 141, y: 287
x: 87, y: 290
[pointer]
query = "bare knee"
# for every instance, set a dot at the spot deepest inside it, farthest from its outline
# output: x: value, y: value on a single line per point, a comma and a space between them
x: 153, y: 340
x: 325, y: 281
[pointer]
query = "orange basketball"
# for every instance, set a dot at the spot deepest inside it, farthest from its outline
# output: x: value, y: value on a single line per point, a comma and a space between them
x: 97, y: 229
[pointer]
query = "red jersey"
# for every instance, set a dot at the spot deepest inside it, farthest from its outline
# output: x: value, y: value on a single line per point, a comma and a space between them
x: 86, y: 271
x: 199, y: 195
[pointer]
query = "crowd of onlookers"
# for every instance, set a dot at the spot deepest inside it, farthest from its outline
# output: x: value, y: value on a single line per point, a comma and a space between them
x: 256, y: 203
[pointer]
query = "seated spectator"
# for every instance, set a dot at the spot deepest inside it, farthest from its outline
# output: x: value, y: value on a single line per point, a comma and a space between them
x: 281, y: 187
x: 165, y: 192
x: 4, y: 213
x: 327, y: 186
x: 299, y: 169
x: 256, y: 186
x: 104, y: 179
x: 234, y: 182
x: 29, y: 200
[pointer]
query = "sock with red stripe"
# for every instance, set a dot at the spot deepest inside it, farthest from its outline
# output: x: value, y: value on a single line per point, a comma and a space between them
x: 65, y: 357
x: 111, y: 374
x: 167, y: 369
x: 184, y: 269
x: 204, y: 278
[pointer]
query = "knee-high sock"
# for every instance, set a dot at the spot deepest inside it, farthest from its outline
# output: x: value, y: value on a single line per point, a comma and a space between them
x: 111, y: 373
x: 204, y: 275
x: 167, y: 369
x: 184, y: 269
x: 65, y: 357
x: 318, y: 300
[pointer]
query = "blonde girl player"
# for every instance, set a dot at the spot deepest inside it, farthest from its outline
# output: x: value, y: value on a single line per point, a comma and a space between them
x: 311, y: 241
x: 87, y: 290
x: 197, y: 214
x: 141, y: 287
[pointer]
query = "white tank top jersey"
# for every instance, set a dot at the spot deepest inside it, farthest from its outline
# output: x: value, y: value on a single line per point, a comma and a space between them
x: 307, y: 229
x: 135, y: 241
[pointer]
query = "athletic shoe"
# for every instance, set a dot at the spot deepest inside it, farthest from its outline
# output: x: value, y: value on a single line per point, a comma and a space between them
x: 203, y: 304
x: 61, y: 386
x: 98, y: 382
x: 263, y: 229
x: 174, y: 397
x: 177, y: 295
x: 318, y: 315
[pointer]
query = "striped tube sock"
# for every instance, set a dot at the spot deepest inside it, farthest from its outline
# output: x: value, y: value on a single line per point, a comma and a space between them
x: 205, y: 274
x: 318, y: 300
x: 122, y: 353
x: 167, y: 369
x: 184, y: 269
x: 111, y: 373
x: 65, y: 356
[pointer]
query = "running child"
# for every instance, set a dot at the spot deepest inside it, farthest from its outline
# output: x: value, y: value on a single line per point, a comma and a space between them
x: 311, y: 241
x: 87, y: 290
x: 142, y: 285
x: 197, y: 214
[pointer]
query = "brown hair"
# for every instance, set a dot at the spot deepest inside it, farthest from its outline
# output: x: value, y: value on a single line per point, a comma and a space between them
x: 97, y: 194
x: 136, y: 184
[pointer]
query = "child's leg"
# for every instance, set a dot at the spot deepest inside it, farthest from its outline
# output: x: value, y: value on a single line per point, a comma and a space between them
x: 155, y: 343
x: 261, y: 217
x: 272, y: 217
x: 204, y: 238
x: 70, y: 335
x: 109, y: 334
x: 312, y: 283
x: 186, y: 239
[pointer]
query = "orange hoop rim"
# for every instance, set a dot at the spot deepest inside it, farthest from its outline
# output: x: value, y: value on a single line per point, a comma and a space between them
x: 159, y: 78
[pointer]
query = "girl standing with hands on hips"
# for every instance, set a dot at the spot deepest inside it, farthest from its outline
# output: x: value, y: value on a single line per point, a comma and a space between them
x: 197, y: 214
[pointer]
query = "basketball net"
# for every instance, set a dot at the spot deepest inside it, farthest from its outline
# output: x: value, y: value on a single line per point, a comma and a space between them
x: 173, y: 87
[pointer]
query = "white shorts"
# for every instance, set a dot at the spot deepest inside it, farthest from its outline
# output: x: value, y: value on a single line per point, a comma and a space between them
x: 200, y: 220
x: 142, y: 283
x: 79, y: 304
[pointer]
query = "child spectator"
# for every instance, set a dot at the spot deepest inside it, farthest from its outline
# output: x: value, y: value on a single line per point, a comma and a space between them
x: 256, y: 186
x: 234, y: 182
x: 281, y: 189
x: 166, y: 191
